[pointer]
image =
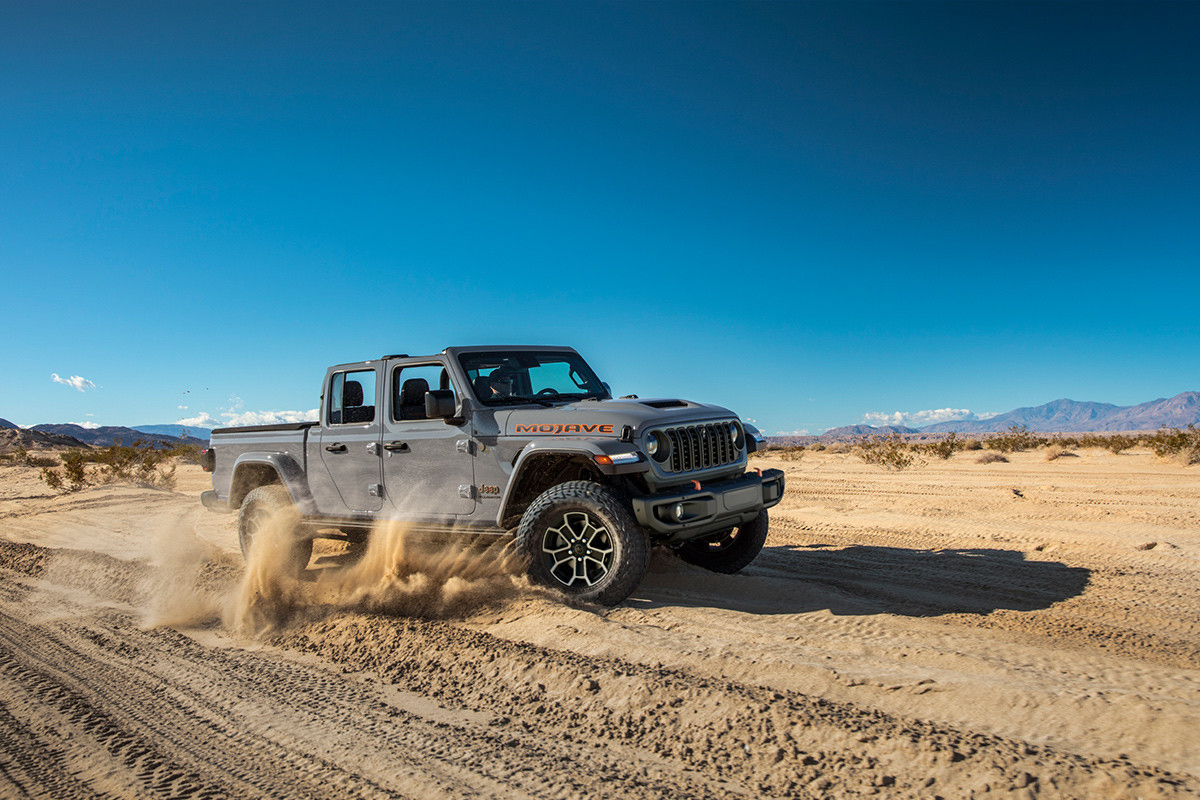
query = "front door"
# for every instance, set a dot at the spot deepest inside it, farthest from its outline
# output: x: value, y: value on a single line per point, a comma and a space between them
x: 349, y: 442
x: 428, y: 466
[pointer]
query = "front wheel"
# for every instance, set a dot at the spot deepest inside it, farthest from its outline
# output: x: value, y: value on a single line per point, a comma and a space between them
x: 729, y: 551
x: 268, y: 514
x: 579, y: 538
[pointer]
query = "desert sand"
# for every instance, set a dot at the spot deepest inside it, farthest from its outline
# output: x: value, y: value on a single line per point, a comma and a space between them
x: 1023, y: 629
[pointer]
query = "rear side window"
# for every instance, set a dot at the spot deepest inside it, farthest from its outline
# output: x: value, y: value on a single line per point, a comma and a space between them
x: 352, y: 398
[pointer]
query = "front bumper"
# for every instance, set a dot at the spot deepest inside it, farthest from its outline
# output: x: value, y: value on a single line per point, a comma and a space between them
x: 680, y: 515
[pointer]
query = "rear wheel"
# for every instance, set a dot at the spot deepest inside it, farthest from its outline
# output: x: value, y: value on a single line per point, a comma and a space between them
x: 728, y: 551
x: 269, y: 511
x: 579, y: 538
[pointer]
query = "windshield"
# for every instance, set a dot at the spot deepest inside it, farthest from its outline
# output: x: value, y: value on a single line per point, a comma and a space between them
x: 505, y: 378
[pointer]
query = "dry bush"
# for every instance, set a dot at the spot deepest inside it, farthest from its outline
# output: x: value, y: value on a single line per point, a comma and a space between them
x: 141, y: 464
x: 23, y: 457
x: 991, y: 458
x: 943, y: 449
x: 816, y: 447
x: 784, y: 451
x: 1183, y: 445
x: 838, y: 448
x: 1015, y: 439
x: 890, y: 452
x: 1057, y: 451
x: 792, y: 453
x: 1116, y: 443
x: 1119, y: 442
x: 972, y: 444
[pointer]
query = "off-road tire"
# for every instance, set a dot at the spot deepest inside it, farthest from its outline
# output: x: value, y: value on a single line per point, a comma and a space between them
x: 579, y: 538
x: 294, y: 552
x: 729, y: 551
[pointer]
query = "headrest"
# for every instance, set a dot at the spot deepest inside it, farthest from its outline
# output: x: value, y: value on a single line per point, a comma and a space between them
x: 352, y: 394
x: 413, y: 392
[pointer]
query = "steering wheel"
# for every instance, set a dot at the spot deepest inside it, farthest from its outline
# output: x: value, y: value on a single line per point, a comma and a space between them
x: 549, y: 390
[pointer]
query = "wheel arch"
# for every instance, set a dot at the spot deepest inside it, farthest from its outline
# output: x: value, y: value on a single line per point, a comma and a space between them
x: 536, y: 470
x: 252, y: 470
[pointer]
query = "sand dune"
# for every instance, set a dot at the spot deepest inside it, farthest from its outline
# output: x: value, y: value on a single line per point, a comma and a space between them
x: 1029, y: 629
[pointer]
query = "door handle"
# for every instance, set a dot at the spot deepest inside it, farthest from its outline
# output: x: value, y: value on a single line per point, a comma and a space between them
x: 396, y: 447
x: 336, y: 447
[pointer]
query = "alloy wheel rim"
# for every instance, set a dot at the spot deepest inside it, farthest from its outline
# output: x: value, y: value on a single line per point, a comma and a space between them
x: 579, y: 551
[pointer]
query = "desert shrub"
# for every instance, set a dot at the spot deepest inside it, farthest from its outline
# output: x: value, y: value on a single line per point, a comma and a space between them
x: 52, y: 478
x: 972, y: 444
x: 816, y: 447
x: 141, y: 464
x: 1015, y: 439
x: 1057, y: 451
x: 1119, y: 442
x: 944, y: 448
x: 991, y: 458
x: 23, y: 457
x: 1174, y: 443
x: 890, y: 452
x: 838, y: 448
x: 74, y: 469
x: 787, y: 452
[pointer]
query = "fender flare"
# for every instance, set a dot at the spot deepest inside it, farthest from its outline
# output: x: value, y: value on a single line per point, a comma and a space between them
x: 287, y: 469
x: 587, y: 449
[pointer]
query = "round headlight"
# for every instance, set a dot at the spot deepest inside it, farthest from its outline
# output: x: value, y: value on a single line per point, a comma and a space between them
x: 658, y: 446
x: 738, y: 434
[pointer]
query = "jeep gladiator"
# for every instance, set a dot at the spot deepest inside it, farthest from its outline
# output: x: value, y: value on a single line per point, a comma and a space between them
x: 522, y: 441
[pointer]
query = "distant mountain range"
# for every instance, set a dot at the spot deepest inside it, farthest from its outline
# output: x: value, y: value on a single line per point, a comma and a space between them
x: 110, y: 434
x: 1057, y: 416
x: 1071, y: 416
x: 176, y: 430
x: 856, y: 431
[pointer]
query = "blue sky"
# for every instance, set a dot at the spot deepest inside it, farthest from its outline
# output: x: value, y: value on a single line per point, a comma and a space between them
x: 815, y: 214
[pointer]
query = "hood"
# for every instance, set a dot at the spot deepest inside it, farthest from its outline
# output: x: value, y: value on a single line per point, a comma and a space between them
x: 605, y: 417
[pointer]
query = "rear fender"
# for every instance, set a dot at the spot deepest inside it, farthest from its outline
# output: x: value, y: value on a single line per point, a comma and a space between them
x: 252, y: 470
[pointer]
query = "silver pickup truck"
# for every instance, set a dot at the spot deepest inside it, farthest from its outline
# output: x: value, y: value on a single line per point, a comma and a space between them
x: 519, y: 441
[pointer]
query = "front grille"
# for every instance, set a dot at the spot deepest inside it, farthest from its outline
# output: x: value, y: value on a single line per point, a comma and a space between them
x: 696, y: 447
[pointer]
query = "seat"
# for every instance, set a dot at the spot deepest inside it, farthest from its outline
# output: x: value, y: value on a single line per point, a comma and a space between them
x: 412, y: 399
x: 352, y: 404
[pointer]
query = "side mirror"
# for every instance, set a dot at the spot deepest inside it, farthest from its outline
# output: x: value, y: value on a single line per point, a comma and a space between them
x: 439, y: 404
x: 607, y: 388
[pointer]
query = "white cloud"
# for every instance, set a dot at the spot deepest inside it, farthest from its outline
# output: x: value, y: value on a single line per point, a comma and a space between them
x: 917, y: 419
x: 182, y: 408
x: 801, y: 432
x: 239, y: 418
x: 75, y: 381
x: 269, y: 417
x: 201, y: 420
x: 88, y: 425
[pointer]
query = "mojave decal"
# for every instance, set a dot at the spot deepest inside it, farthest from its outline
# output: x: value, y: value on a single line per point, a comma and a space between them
x: 556, y: 429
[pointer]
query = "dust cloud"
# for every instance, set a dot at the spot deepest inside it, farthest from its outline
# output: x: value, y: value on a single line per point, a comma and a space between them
x: 400, y: 573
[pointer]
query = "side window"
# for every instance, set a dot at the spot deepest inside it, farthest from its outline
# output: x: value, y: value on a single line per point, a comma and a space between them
x: 409, y: 385
x: 352, y: 398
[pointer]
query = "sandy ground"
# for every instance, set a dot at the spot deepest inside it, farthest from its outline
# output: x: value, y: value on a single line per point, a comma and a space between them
x: 1029, y: 629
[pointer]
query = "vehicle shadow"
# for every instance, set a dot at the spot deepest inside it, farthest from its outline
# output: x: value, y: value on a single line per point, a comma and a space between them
x: 867, y: 580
